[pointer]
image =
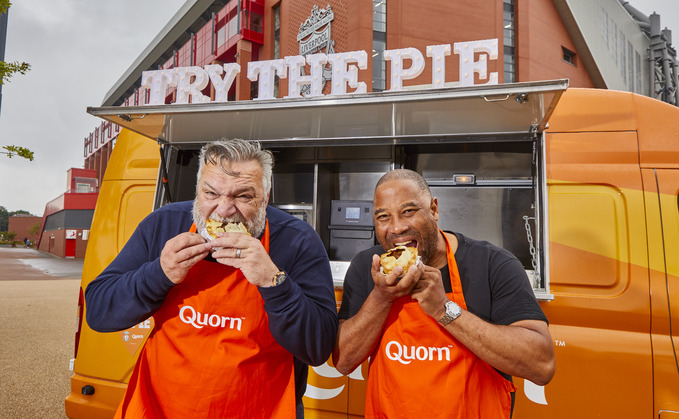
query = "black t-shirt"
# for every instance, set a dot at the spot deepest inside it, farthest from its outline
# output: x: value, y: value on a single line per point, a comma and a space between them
x: 494, y: 283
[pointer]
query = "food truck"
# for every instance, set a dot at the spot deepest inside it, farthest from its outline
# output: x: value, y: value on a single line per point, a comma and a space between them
x: 580, y: 184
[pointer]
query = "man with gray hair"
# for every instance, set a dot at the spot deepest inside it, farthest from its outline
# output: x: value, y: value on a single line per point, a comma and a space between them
x: 238, y: 318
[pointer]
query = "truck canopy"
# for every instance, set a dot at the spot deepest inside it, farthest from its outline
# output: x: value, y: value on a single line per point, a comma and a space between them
x: 519, y: 109
x: 480, y: 148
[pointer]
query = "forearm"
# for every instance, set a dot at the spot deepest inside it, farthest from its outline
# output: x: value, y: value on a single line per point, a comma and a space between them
x: 523, y: 349
x: 117, y: 300
x: 305, y: 324
x: 357, y: 336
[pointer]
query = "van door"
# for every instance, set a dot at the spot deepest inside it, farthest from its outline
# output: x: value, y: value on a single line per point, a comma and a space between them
x: 662, y: 201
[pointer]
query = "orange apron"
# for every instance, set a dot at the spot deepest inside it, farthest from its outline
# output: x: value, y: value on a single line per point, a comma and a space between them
x: 419, y: 370
x: 211, y: 354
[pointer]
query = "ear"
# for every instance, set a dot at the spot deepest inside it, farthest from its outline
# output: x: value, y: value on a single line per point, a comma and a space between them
x: 434, y: 208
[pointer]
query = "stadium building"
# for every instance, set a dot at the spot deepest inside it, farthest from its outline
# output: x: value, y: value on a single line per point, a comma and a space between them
x: 605, y: 44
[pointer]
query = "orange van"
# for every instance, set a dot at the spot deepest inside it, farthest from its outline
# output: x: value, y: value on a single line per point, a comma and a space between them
x: 582, y: 185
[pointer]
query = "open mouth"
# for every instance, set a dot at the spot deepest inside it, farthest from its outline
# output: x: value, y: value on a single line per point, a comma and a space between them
x: 411, y: 243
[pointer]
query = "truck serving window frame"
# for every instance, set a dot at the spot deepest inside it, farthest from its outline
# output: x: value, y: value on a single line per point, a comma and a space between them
x: 489, y: 113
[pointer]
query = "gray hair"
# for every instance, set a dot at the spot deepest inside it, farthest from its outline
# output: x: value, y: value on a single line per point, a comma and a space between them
x: 406, y: 174
x: 237, y: 150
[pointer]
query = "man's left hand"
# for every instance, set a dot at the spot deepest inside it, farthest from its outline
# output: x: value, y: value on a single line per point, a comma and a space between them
x: 247, y: 254
x: 429, y: 293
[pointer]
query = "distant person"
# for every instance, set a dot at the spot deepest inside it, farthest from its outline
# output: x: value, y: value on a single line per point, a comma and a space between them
x: 445, y: 339
x: 237, y: 319
x: 26, y: 242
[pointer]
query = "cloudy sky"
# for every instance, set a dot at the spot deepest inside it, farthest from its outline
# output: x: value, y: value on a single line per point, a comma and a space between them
x: 77, y: 50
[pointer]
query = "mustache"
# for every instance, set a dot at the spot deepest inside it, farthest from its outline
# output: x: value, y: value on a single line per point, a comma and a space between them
x: 236, y: 218
x: 396, y: 238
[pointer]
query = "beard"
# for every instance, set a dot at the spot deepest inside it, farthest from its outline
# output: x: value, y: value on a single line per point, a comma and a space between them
x: 429, y: 237
x: 255, y: 225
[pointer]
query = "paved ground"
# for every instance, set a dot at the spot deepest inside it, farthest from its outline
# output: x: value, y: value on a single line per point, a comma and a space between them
x: 38, y: 301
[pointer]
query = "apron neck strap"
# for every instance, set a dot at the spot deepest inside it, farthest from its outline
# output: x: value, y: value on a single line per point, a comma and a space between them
x: 455, y: 283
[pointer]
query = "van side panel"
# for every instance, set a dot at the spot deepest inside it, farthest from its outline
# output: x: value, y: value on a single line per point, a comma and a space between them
x: 600, y: 315
x: 125, y: 198
x: 662, y: 207
x: 658, y: 126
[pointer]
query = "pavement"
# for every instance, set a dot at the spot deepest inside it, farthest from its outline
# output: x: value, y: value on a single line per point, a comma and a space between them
x: 20, y: 263
x: 38, y: 320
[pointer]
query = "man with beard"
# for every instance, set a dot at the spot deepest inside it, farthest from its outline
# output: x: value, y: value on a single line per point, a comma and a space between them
x: 445, y: 338
x: 238, y: 318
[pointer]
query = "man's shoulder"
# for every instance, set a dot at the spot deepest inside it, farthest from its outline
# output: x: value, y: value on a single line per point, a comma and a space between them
x: 366, y: 256
x: 468, y: 244
x: 176, y: 215
x: 176, y: 207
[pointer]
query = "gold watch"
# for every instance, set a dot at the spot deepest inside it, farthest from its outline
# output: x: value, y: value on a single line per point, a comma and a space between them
x: 278, y: 278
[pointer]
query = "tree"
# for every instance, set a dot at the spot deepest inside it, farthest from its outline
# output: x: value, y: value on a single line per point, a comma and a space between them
x: 35, y: 229
x: 4, y: 219
x: 7, y: 70
x: 10, y: 236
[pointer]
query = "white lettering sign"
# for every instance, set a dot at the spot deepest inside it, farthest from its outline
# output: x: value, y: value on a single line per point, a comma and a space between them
x: 406, y: 64
x: 189, y: 315
x: 405, y: 355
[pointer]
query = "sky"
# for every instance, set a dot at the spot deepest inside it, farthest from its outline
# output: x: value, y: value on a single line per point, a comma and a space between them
x: 77, y: 50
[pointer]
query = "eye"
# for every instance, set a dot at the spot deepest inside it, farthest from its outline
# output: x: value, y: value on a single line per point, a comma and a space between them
x: 245, y: 198
x: 409, y: 211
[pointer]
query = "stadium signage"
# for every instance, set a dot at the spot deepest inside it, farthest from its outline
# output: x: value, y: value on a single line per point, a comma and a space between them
x: 406, y: 64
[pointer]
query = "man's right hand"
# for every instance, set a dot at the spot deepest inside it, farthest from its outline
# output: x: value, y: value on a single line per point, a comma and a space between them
x: 180, y: 253
x: 389, y: 287
x: 357, y: 336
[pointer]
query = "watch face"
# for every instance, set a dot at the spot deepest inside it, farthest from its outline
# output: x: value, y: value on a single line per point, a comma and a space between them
x: 279, y: 278
x: 455, y: 310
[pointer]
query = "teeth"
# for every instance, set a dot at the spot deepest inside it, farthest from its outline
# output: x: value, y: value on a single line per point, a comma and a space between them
x: 401, y: 244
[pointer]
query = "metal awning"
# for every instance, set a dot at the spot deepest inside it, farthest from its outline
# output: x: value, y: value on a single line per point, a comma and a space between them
x: 372, y: 118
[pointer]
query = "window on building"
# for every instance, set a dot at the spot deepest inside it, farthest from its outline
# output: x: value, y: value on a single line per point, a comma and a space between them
x: 379, y: 45
x: 509, y: 41
x: 630, y: 65
x: 614, y: 42
x: 569, y: 56
x: 623, y: 59
x: 637, y: 58
x: 604, y: 27
x: 276, y: 42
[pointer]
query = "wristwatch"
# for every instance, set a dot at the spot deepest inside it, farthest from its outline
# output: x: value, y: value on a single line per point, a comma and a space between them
x: 453, y: 311
x: 278, y: 278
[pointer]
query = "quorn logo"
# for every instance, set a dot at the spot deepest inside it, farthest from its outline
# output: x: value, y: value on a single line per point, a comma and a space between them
x: 406, y: 354
x: 189, y: 315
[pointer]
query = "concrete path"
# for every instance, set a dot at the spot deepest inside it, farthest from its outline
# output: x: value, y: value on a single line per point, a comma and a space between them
x: 38, y: 311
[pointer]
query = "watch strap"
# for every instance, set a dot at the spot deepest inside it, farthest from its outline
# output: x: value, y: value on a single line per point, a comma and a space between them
x: 452, y: 312
x: 278, y: 278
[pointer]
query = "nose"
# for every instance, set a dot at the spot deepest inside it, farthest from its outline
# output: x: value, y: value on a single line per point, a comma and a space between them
x: 225, y: 207
x: 398, y: 226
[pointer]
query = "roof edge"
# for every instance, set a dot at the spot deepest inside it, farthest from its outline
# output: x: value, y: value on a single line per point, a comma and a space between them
x: 564, y: 10
x: 178, y: 24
